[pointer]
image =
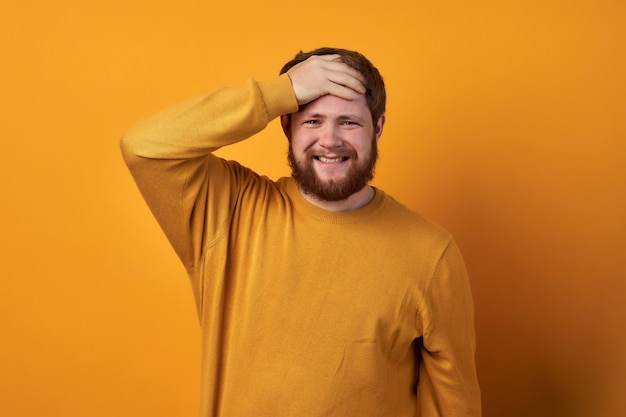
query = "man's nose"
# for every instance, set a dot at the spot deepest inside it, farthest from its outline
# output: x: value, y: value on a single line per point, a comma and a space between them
x: 330, y: 137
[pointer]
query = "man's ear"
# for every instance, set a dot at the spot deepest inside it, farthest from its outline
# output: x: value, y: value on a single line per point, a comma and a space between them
x: 378, y: 128
x: 285, y: 122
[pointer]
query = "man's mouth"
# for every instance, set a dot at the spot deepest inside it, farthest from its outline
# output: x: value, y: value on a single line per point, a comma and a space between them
x: 334, y: 160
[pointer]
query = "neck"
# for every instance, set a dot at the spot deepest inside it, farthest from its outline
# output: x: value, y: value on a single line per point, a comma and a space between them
x: 354, y: 202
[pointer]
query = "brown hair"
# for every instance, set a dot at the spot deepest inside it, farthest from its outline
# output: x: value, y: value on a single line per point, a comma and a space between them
x: 375, y: 95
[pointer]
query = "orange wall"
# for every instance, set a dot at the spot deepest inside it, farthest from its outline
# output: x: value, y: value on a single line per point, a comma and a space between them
x: 506, y: 124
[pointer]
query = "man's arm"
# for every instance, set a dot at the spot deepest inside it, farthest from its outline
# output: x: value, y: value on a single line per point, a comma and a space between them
x: 189, y: 190
x: 169, y: 154
x: 448, y: 386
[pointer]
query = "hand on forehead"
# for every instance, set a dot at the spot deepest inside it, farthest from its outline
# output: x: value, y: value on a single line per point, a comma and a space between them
x: 322, y: 75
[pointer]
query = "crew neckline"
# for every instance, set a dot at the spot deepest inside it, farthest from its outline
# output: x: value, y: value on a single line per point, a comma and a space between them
x: 337, y: 217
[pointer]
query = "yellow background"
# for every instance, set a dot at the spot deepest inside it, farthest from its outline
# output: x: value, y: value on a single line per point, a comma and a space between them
x: 506, y: 124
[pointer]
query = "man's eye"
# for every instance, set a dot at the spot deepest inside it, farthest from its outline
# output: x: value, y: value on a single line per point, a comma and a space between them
x: 311, y: 122
x: 349, y: 123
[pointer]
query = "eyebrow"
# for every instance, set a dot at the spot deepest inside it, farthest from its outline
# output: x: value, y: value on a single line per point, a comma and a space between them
x: 346, y: 116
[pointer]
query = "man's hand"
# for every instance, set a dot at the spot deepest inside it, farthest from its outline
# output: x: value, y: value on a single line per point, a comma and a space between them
x: 320, y: 75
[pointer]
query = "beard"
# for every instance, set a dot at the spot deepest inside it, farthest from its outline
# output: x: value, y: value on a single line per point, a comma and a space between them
x: 360, y: 173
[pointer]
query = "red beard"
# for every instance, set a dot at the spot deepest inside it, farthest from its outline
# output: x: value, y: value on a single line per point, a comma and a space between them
x: 358, y: 176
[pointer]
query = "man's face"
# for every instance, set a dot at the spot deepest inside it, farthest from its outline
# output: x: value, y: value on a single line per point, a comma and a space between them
x: 333, y: 146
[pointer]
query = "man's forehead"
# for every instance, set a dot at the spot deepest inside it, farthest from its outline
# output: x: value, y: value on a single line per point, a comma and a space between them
x: 330, y: 105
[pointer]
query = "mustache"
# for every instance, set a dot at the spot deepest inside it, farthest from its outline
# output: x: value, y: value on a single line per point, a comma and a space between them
x: 312, y: 153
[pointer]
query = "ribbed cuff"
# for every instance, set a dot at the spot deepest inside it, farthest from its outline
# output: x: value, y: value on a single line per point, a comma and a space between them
x: 279, y: 96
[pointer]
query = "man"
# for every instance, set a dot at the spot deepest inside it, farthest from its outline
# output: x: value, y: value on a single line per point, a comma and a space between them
x: 318, y: 295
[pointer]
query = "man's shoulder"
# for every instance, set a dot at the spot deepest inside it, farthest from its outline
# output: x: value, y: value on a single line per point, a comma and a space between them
x: 250, y: 186
x: 412, y: 222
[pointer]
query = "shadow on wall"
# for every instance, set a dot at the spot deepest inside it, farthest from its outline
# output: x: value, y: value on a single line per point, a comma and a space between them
x: 547, y: 273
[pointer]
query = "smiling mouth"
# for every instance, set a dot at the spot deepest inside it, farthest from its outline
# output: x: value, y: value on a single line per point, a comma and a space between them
x: 335, y: 160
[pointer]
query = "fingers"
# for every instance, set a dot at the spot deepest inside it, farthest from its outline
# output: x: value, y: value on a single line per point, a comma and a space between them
x: 325, y: 74
x: 343, y: 74
x: 345, y: 84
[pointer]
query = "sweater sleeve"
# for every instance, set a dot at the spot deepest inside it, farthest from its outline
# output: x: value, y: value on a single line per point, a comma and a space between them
x: 448, y: 385
x: 190, y: 191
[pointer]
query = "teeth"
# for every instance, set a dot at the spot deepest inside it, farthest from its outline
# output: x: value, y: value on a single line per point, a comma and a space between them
x: 330, y: 160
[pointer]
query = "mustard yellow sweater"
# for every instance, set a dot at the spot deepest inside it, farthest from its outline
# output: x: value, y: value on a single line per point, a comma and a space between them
x: 304, y: 312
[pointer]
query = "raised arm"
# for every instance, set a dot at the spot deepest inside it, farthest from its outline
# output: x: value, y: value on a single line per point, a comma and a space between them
x: 190, y: 191
x: 197, y: 127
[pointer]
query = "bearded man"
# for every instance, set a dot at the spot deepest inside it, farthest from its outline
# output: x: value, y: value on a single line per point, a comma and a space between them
x: 317, y: 295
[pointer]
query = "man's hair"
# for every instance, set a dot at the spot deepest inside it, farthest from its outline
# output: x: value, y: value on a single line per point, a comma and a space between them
x: 375, y: 95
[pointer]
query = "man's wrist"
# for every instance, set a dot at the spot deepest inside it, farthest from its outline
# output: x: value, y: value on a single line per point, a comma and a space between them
x: 279, y: 96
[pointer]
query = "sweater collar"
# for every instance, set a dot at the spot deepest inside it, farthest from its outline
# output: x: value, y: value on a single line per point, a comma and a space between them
x: 300, y: 204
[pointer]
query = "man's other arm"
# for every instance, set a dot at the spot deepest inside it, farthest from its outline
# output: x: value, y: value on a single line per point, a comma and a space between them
x: 448, y: 385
